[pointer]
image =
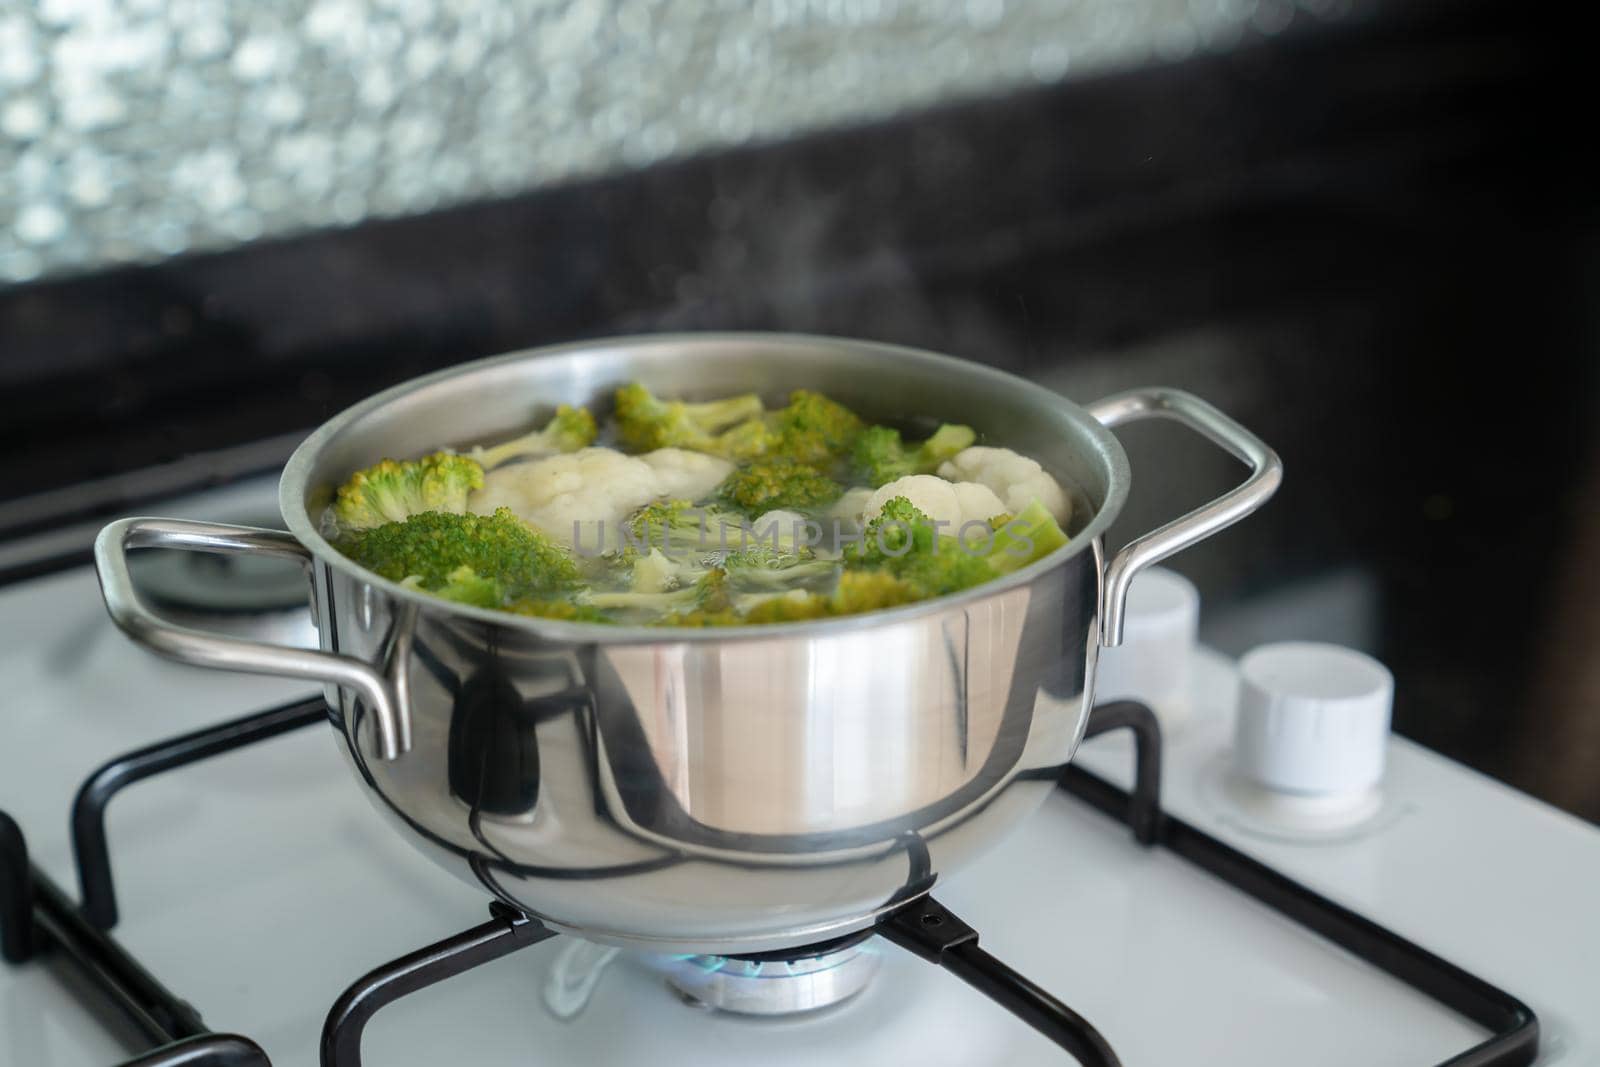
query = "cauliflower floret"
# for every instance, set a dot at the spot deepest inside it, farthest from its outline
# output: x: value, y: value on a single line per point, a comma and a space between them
x: 977, y: 501
x: 571, y: 493
x: 660, y: 573
x: 843, y: 520
x: 951, y: 503
x: 851, y: 505
x: 685, y: 475
x: 1015, y: 478
x: 789, y: 527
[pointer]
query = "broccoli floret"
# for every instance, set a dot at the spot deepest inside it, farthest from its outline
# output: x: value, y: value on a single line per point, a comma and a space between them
x: 646, y: 422
x: 430, y: 549
x: 902, y: 541
x: 771, y: 484
x: 944, y: 443
x: 465, y: 586
x: 746, y: 441
x: 567, y: 431
x: 810, y: 429
x: 766, y: 567
x: 1031, y: 534
x: 880, y: 456
x: 857, y: 592
x: 759, y: 566
x: 814, y: 430
x: 795, y: 606
x: 679, y: 525
x: 392, y: 491
x: 709, y: 592
x: 860, y: 591
x: 656, y: 572
x: 557, y: 609
x: 949, y: 568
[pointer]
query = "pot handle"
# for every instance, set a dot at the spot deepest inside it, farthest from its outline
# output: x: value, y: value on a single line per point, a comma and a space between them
x: 1266, y: 471
x: 202, y: 649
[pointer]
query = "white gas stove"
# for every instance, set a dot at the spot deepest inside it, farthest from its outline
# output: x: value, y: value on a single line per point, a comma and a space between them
x: 259, y: 885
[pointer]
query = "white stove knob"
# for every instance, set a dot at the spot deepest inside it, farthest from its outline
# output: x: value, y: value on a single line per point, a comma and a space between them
x: 1313, y: 718
x: 1152, y: 663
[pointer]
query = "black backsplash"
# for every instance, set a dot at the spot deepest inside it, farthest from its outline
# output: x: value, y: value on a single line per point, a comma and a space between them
x: 1369, y: 243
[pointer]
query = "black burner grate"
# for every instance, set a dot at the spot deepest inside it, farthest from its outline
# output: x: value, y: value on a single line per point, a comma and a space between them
x: 37, y: 916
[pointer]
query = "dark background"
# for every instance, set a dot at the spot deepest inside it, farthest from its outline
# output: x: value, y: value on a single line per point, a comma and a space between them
x: 1373, y: 243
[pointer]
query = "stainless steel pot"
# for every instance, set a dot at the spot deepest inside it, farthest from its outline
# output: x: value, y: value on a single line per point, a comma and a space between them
x: 705, y: 790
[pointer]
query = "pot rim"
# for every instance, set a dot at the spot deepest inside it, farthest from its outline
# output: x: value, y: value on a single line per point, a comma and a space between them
x: 292, y: 488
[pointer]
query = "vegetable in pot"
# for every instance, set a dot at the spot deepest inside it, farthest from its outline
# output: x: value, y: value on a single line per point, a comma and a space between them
x: 476, y: 559
x: 880, y: 456
x: 1013, y: 477
x: 645, y: 422
x: 392, y: 491
x: 715, y: 523
x: 567, y: 431
x: 904, y: 542
x: 778, y: 484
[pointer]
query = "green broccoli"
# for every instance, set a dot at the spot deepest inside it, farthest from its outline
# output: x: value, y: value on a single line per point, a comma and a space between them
x: 857, y: 592
x: 794, y: 606
x: 645, y: 422
x: 656, y: 572
x: 766, y: 567
x: 768, y: 484
x: 567, y: 431
x: 431, y: 549
x: 814, y: 430
x: 1031, y: 534
x: 709, y: 592
x: 679, y: 526
x: 862, y: 591
x: 902, y: 541
x: 746, y: 441
x: 392, y: 491
x: 464, y: 586
x: 880, y: 456
x: 758, y: 567
x: 810, y: 429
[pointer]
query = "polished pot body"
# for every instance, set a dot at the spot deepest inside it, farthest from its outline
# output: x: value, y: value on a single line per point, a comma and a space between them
x: 723, y: 795
x: 723, y: 790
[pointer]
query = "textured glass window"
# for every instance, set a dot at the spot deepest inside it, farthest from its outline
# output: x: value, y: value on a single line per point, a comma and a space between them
x: 131, y: 130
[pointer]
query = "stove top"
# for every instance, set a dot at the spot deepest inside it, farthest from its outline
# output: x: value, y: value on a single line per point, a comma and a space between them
x: 260, y: 885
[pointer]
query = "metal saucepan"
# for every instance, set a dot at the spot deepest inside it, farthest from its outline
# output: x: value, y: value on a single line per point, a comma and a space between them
x: 716, y: 790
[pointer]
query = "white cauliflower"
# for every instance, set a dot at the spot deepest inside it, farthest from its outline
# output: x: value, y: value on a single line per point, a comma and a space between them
x: 842, y: 521
x: 592, y: 490
x: 851, y: 505
x: 1014, y: 478
x: 785, y: 528
x: 572, y: 492
x: 977, y: 501
x: 951, y: 503
x: 686, y: 475
x: 657, y: 572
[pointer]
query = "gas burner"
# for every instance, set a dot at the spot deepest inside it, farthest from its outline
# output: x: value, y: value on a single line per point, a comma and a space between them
x: 784, y: 982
